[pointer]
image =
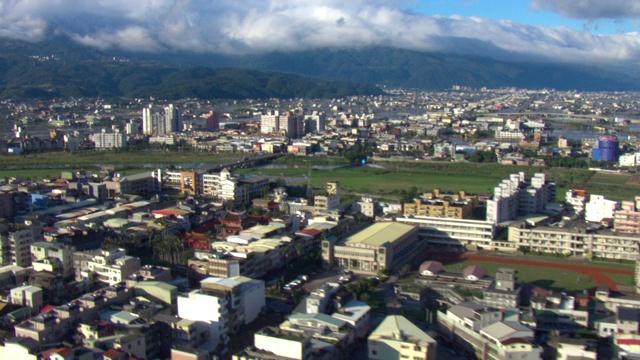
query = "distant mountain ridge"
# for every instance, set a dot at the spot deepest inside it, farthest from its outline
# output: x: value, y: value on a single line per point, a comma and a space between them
x: 77, y: 70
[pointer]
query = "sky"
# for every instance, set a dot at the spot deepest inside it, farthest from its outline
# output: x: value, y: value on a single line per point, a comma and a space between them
x: 539, y: 13
x: 574, y: 31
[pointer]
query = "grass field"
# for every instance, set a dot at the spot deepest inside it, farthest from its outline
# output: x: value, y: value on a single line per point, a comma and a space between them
x: 550, y: 279
x: 46, y: 165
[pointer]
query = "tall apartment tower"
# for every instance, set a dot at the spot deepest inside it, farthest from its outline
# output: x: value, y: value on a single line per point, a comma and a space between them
x: 161, y: 120
x: 213, y: 122
x: 278, y: 122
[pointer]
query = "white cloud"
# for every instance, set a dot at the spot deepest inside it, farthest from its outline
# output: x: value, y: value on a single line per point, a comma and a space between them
x: 249, y: 26
x: 590, y: 9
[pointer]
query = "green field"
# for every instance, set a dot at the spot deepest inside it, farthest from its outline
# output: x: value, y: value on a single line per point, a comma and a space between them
x: 546, y: 278
x: 396, y: 176
x: 38, y: 166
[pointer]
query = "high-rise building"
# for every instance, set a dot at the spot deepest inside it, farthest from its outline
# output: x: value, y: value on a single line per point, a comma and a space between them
x: 518, y: 197
x: 213, y: 122
x: 109, y: 140
x: 276, y: 122
x: 315, y: 123
x: 161, y: 120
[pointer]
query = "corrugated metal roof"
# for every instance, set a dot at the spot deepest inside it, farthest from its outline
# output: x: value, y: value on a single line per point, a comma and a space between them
x: 381, y: 234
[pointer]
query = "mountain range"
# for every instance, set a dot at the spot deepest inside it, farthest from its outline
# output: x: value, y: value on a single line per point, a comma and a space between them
x: 59, y: 67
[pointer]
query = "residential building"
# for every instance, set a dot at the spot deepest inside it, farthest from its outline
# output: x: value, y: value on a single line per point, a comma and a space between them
x: 16, y: 240
x: 473, y: 316
x: 504, y: 292
x: 286, y: 123
x: 436, y: 204
x: 27, y: 295
x: 21, y: 348
x: 598, y: 208
x: 397, y: 338
x: 386, y: 245
x: 366, y: 206
x: 109, y: 140
x: 212, y: 122
x: 516, y: 196
x: 627, y: 218
x: 158, y: 120
x: 106, y: 266
x: 53, y: 257
x: 271, y: 342
x: 223, y: 304
x: 330, y: 200
x: 576, y: 201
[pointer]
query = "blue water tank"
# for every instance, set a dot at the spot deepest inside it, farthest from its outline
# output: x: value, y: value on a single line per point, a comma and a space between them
x: 609, y: 149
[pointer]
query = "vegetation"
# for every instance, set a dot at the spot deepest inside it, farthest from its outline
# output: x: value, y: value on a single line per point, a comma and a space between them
x: 75, y: 71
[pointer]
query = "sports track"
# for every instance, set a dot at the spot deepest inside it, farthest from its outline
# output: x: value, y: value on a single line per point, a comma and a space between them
x: 596, y: 273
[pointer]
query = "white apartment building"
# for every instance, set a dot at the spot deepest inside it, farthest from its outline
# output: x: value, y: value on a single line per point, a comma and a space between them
x: 161, y: 120
x: 53, y: 257
x: 599, y: 208
x: 509, y: 135
x: 576, y: 201
x: 281, y: 122
x: 629, y: 160
x: 224, y: 304
x: 273, y: 341
x: 210, y: 310
x: 518, y: 197
x: 27, y: 295
x: 107, y: 266
x: 109, y: 140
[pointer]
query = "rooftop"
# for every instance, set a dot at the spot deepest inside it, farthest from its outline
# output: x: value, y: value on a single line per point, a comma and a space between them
x: 380, y: 234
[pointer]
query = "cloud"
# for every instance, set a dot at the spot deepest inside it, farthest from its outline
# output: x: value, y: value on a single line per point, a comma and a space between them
x: 259, y: 26
x: 590, y: 9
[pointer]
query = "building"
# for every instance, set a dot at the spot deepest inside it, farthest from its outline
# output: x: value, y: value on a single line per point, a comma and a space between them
x: 575, y: 201
x: 106, y: 266
x: 397, y: 338
x: 367, y: 206
x: 450, y: 232
x: 286, y: 123
x: 272, y: 342
x: 53, y: 257
x: 161, y: 120
x: 223, y: 304
x: 27, y: 295
x: 109, y: 140
x: 504, y: 291
x: 598, y: 208
x: 21, y: 348
x: 608, y: 149
x: 436, y: 204
x: 212, y: 121
x: 386, y: 245
x: 516, y: 196
x: 330, y: 200
x: 16, y: 240
x: 315, y: 123
x: 627, y: 218
x: 574, y: 239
